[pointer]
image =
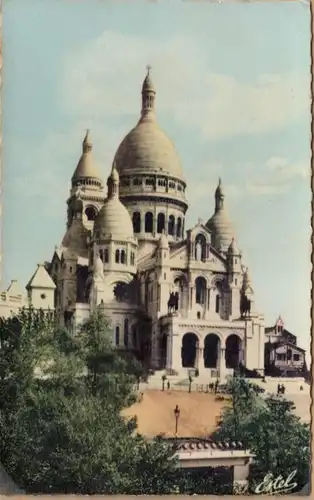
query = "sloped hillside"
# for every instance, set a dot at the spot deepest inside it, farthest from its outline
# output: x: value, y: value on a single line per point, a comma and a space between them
x: 155, y: 413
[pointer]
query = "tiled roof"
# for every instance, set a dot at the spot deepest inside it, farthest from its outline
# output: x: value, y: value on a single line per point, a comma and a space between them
x: 185, y: 444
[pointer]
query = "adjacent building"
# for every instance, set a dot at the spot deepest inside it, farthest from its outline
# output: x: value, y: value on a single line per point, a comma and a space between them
x: 283, y: 357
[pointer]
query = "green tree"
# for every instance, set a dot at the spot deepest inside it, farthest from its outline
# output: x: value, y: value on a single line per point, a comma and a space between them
x: 269, y: 428
x: 63, y: 432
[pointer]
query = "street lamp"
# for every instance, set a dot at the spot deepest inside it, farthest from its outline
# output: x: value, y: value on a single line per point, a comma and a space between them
x: 177, y: 416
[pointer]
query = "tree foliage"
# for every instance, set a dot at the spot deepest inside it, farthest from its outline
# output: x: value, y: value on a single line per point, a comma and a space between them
x: 272, y: 432
x: 62, y: 431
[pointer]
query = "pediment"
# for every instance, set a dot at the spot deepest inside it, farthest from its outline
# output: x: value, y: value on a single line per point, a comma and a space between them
x: 199, y: 228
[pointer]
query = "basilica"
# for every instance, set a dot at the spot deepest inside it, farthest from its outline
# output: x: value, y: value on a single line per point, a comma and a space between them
x: 179, y: 298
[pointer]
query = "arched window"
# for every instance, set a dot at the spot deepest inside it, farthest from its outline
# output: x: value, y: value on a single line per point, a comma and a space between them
x: 217, y: 308
x: 148, y: 222
x: 101, y: 255
x: 134, y: 339
x: 200, y: 290
x: 106, y: 255
x: 161, y: 223
x: 117, y: 256
x: 126, y: 332
x: 171, y: 225
x: 136, y: 222
x: 91, y: 213
x: 122, y: 256
x: 117, y: 335
x: 132, y: 259
x: 179, y: 228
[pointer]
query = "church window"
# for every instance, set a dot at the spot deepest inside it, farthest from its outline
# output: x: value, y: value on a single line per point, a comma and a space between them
x: 137, y: 182
x: 198, y: 315
x: 132, y: 259
x: 200, y: 289
x: 136, y: 222
x: 126, y: 332
x: 134, y: 342
x: 148, y: 222
x: 217, y: 308
x: 160, y: 223
x: 70, y: 269
x: 179, y: 227
x: 91, y: 213
x: 235, y: 281
x: 122, y: 256
x: 172, y: 185
x: 117, y: 256
x: 101, y: 255
x: 106, y: 255
x: 117, y: 335
x: 43, y: 296
x: 235, y: 261
x: 171, y: 225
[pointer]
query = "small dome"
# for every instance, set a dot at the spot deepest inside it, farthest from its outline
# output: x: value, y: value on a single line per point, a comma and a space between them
x: 86, y: 167
x: 113, y: 219
x: 75, y: 238
x: 246, y: 279
x: 219, y: 224
x: 233, y: 249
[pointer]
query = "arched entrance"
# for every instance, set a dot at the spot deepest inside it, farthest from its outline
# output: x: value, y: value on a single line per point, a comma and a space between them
x: 189, y: 350
x: 233, y: 350
x: 211, y: 350
x: 163, y: 351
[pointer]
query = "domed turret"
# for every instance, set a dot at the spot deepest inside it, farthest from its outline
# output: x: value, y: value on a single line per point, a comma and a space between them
x: 113, y: 219
x: 219, y: 224
x: 246, y: 285
x: 233, y: 249
x: 86, y: 168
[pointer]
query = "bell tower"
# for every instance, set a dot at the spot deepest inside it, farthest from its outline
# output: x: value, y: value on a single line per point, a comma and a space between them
x: 86, y: 181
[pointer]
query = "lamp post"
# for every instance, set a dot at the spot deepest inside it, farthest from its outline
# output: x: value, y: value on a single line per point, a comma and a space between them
x: 177, y: 416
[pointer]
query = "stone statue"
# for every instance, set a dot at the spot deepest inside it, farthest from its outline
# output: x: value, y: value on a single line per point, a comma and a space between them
x: 245, y: 306
x: 198, y: 251
x: 171, y: 303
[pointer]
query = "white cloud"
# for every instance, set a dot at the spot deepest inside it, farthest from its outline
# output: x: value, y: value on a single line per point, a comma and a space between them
x: 287, y: 170
x: 103, y: 78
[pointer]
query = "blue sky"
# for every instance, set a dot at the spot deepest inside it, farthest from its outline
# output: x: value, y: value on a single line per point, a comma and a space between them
x: 233, y: 93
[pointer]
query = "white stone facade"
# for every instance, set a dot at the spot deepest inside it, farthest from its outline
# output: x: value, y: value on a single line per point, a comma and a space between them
x: 178, y: 299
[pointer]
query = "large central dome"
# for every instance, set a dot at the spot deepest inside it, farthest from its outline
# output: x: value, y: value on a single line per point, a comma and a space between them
x: 147, y: 149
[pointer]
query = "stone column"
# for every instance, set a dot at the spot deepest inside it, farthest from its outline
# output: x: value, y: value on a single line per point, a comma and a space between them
x: 222, y: 363
x: 240, y: 478
x: 201, y: 365
x: 169, y: 351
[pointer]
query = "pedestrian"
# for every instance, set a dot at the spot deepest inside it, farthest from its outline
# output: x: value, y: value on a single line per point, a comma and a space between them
x: 168, y: 385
